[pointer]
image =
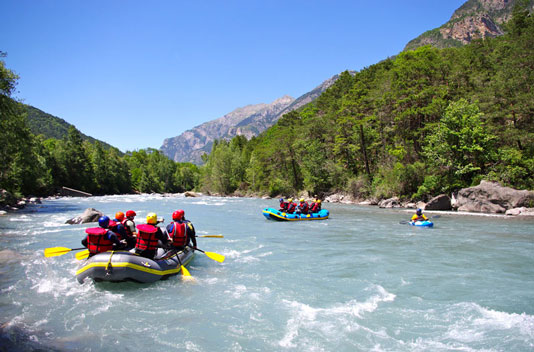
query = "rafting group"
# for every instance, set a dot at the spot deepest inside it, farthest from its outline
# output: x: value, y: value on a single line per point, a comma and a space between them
x: 119, y: 250
x: 291, y: 211
x: 121, y: 233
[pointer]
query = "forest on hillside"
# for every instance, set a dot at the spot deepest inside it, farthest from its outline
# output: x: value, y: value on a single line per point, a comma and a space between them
x: 426, y: 122
x: 37, y: 165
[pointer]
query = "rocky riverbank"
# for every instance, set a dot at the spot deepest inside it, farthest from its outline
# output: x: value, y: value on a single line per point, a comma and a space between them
x: 488, y: 197
x: 8, y: 202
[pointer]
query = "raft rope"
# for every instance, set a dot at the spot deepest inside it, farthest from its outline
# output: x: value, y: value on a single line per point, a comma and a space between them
x: 109, y: 267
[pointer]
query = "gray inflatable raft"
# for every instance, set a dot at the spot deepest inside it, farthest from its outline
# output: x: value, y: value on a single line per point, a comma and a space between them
x: 117, y: 266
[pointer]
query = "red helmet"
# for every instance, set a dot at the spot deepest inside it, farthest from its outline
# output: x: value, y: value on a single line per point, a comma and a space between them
x: 119, y: 215
x: 178, y: 215
x: 130, y: 213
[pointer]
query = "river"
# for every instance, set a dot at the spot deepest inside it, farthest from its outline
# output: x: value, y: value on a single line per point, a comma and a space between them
x: 359, y: 281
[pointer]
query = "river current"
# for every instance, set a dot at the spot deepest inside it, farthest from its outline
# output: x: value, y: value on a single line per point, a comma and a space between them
x: 359, y: 281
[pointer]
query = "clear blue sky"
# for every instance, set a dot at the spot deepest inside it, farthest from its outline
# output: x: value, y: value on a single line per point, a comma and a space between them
x: 132, y: 73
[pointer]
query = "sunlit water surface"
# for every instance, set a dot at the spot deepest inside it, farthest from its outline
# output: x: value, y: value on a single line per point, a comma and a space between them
x: 359, y: 281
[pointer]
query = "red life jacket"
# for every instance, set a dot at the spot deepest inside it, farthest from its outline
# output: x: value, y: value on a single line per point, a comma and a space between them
x: 179, y: 234
x: 283, y: 206
x: 304, y: 207
x: 129, y: 232
x: 146, y: 237
x: 97, y: 241
x: 315, y: 207
x: 291, y: 207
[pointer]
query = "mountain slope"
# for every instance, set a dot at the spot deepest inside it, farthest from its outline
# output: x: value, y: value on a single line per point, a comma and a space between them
x: 475, y: 19
x: 248, y: 121
x: 51, y: 126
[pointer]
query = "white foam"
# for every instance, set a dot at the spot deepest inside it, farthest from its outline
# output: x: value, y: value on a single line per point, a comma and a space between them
x: 326, y: 320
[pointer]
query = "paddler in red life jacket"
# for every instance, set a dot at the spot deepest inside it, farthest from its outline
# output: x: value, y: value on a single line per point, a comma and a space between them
x: 101, y: 239
x: 419, y: 216
x: 303, y: 207
x: 283, y: 205
x: 181, y: 231
x: 315, y: 207
x: 148, y: 236
x: 125, y: 228
x: 291, y: 207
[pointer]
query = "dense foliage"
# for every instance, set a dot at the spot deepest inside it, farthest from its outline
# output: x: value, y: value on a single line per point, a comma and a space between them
x: 426, y: 122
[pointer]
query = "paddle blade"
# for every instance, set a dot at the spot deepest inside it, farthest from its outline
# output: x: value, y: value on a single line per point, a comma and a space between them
x: 212, y: 236
x: 186, y: 275
x: 82, y: 255
x: 215, y: 256
x: 55, y: 251
x: 404, y: 222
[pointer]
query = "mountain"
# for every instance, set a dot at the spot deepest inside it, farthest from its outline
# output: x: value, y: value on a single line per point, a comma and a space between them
x: 475, y: 19
x: 247, y: 121
x: 51, y: 126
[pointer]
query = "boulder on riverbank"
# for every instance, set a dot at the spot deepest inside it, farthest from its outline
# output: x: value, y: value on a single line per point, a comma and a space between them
x: 441, y: 202
x: 491, y: 197
x: 89, y: 215
x: 390, y: 203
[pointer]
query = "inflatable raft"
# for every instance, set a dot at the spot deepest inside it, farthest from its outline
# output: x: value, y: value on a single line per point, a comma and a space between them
x: 274, y: 214
x: 117, y: 266
x: 425, y: 223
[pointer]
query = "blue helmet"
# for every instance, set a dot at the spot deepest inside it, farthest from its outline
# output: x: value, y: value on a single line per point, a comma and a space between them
x: 103, y: 221
x: 281, y: 200
x: 419, y: 211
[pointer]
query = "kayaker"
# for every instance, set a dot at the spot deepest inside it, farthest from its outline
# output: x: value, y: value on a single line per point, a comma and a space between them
x: 148, y: 236
x: 419, y: 216
x: 291, y: 206
x: 181, y: 231
x: 283, y: 205
x: 101, y: 239
x: 303, y: 207
x: 315, y: 207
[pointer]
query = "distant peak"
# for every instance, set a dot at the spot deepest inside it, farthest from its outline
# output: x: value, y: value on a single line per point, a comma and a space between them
x: 286, y: 99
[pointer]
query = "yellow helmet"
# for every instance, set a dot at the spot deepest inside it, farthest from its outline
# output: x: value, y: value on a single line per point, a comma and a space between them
x: 290, y: 200
x: 152, y: 219
x: 301, y: 200
x: 318, y: 201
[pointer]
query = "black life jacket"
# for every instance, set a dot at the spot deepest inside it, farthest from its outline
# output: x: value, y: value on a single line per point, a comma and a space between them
x: 97, y: 241
x: 146, y: 237
x: 129, y: 232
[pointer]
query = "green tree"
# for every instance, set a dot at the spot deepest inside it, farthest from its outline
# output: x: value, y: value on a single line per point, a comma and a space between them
x: 461, y: 147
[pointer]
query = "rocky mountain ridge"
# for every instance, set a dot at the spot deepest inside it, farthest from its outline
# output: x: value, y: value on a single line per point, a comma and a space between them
x: 246, y: 121
x: 475, y: 19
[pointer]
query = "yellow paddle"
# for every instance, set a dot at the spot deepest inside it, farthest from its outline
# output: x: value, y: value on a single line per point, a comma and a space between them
x: 217, y: 257
x: 82, y: 255
x: 56, y: 251
x: 210, y: 236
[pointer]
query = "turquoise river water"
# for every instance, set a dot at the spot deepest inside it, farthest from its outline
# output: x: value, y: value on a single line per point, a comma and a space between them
x: 359, y: 281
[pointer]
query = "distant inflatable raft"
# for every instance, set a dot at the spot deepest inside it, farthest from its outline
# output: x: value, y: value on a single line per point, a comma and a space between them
x: 274, y: 214
x: 117, y: 266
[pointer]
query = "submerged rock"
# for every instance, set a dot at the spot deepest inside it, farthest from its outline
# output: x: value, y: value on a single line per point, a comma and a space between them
x: 89, y: 215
